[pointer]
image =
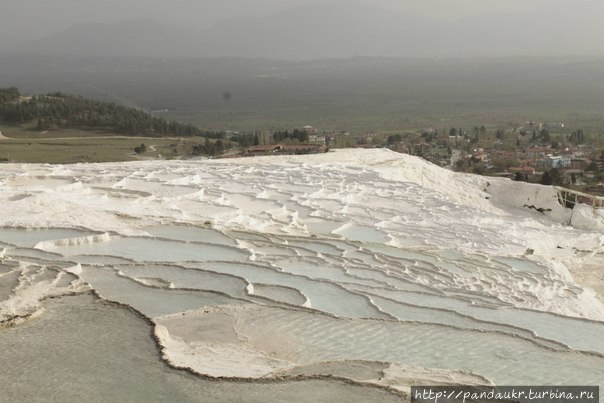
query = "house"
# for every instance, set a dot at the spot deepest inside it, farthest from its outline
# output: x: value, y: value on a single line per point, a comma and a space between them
x: 503, y: 155
x: 579, y: 163
x: 278, y: 149
x: 534, y: 153
x: 553, y: 161
x: 263, y: 150
x: 316, y: 138
x: 310, y: 130
x: 303, y: 149
x: 555, y: 125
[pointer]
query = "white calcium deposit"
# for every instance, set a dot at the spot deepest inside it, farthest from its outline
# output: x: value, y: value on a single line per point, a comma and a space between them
x: 273, y: 266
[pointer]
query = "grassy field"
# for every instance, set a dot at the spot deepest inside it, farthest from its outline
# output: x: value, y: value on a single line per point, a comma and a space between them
x: 73, y: 146
x: 360, y: 120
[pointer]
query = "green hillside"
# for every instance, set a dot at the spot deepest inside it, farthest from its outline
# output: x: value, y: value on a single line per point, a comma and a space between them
x: 61, y: 128
x: 57, y: 111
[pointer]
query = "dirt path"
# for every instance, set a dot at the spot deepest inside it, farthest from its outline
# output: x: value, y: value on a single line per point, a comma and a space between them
x: 3, y: 137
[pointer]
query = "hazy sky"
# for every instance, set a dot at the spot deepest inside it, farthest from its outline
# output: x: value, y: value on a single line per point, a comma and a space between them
x: 33, y: 18
x: 376, y: 28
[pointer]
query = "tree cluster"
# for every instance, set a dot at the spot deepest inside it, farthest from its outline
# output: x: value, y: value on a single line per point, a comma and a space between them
x: 10, y: 94
x: 209, y: 148
x: 297, y: 135
x: 58, y: 110
x: 245, y: 140
x: 430, y: 136
x: 543, y: 135
x: 394, y: 138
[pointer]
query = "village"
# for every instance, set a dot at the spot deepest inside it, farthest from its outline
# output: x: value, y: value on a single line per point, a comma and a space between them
x: 534, y: 152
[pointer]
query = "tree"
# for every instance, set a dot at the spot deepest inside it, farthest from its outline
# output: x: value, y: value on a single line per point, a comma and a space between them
x: 219, y: 146
x: 140, y: 149
x: 209, y: 147
x: 553, y: 177
x: 592, y: 167
x: 577, y: 137
x: 573, y: 179
x: 483, y: 131
x: 394, y: 138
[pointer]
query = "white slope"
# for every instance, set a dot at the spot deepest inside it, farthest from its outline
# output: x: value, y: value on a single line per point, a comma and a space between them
x: 266, y: 266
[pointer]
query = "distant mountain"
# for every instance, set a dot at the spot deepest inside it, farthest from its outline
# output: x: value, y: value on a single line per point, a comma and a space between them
x: 130, y: 38
x: 11, y: 40
x: 322, y: 30
x: 344, y: 29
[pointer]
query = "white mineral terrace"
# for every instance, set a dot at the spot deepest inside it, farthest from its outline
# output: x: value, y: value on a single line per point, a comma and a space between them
x: 317, y: 265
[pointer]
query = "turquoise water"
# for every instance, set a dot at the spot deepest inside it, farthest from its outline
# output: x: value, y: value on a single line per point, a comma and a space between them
x: 156, y: 250
x: 368, y: 301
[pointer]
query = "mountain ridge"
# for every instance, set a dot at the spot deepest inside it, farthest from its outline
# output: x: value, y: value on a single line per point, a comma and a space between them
x: 341, y: 29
